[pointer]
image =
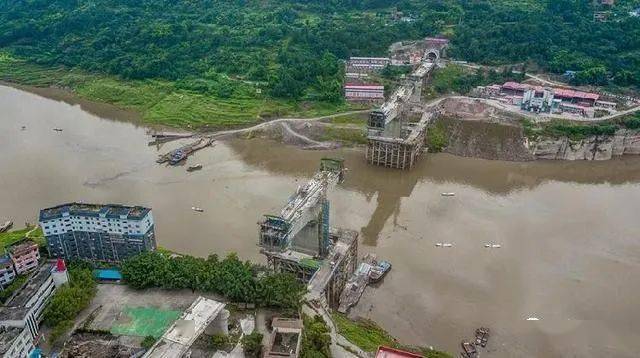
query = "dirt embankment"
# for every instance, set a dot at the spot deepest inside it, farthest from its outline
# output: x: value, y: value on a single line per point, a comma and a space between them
x: 476, y: 129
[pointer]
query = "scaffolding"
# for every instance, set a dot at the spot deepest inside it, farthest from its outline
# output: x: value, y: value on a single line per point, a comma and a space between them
x: 391, y: 142
x: 301, y: 241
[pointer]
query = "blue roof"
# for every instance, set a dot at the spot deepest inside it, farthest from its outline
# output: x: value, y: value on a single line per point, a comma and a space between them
x: 108, y: 274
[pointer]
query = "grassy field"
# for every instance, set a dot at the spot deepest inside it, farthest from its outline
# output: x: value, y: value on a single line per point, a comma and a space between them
x: 161, y: 102
x: 11, y: 237
x: 145, y: 321
x: 367, y: 335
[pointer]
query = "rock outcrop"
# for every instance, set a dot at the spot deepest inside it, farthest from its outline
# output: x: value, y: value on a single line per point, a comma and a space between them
x: 624, y: 142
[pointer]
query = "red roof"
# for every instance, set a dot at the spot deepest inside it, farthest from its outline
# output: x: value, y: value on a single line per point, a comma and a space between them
x: 388, y: 352
x: 371, y: 86
x: 60, y: 266
x: 559, y: 92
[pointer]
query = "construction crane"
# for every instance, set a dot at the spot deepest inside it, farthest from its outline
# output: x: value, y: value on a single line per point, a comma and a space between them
x: 303, y: 223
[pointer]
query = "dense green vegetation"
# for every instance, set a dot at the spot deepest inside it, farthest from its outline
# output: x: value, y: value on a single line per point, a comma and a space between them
x: 252, y: 344
x: 13, y: 287
x: 69, y: 300
x: 223, y: 62
x: 457, y: 79
x: 148, y: 342
x: 315, y: 338
x: 367, y: 335
x: 236, y: 280
x: 11, y: 237
x: 437, y: 138
x: 161, y: 101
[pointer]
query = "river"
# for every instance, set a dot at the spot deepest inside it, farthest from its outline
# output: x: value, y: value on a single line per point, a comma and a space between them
x: 569, y: 231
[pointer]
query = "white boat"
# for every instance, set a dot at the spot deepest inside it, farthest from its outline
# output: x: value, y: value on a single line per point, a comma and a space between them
x: 533, y: 319
x: 447, y: 245
x: 448, y: 194
x: 194, y: 167
x: 492, y: 246
x: 440, y: 244
x: 195, y: 208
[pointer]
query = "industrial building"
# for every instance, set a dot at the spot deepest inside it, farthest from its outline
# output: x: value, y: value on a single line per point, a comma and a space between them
x: 586, y: 99
x: 97, y: 232
x: 364, y: 92
x: 204, y: 315
x: 21, y: 315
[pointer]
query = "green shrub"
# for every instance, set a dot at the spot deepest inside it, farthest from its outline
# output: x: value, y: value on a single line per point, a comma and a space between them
x: 148, y: 342
x: 252, y: 345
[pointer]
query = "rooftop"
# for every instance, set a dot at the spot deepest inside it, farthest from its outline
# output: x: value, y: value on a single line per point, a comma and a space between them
x: 23, y: 248
x: 83, y: 209
x: 182, y: 333
x: 7, y: 335
x: 388, y: 352
x: 560, y: 92
x: 5, y: 261
x: 33, y: 284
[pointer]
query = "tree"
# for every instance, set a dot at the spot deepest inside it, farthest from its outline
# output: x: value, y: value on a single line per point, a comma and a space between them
x: 148, y: 342
x: 315, y: 338
x: 252, y: 344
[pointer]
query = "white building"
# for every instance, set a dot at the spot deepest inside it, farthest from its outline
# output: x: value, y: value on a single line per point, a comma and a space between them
x: 7, y: 273
x: 204, y: 314
x: 97, y: 232
x: 15, y: 342
x: 22, y: 314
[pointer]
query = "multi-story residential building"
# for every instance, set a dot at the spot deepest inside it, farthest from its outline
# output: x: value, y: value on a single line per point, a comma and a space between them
x: 366, y: 64
x: 20, y: 317
x: 7, y: 273
x: 15, y: 342
x: 97, y: 232
x: 364, y: 92
x: 25, y: 256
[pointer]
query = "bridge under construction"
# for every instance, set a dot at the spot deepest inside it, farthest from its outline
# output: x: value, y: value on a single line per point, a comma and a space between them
x: 300, y: 240
x: 393, y: 141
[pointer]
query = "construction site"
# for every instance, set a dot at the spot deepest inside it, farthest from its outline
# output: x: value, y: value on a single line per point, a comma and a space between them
x: 393, y: 140
x: 301, y: 241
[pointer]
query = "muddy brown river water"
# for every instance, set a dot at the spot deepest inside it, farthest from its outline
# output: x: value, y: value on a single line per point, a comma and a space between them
x: 569, y: 232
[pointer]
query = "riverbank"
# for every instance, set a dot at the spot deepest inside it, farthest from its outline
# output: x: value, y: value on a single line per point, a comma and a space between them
x: 165, y: 103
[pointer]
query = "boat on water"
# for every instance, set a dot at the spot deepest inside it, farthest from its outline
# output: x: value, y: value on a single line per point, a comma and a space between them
x: 446, y: 244
x: 177, y: 156
x: 482, y: 336
x: 6, y: 226
x: 354, y: 287
x: 57, y: 129
x: 469, y: 350
x: 492, y: 246
x: 195, y: 208
x: 378, y: 271
x: 193, y: 168
x: 448, y: 194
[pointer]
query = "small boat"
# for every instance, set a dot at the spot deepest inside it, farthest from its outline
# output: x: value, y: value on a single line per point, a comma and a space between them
x: 57, y: 129
x: 377, y: 272
x: 6, y: 226
x: 469, y: 349
x: 448, y: 194
x: 177, y: 156
x: 195, y: 208
x: 533, y: 319
x: 446, y: 244
x: 23, y: 127
x: 482, y: 336
x: 492, y: 246
x: 193, y: 168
